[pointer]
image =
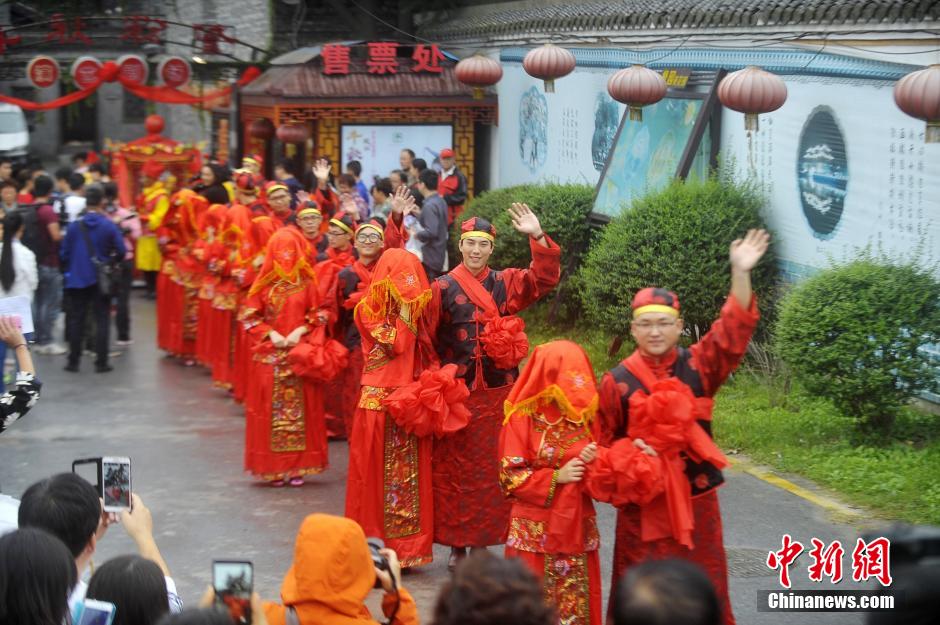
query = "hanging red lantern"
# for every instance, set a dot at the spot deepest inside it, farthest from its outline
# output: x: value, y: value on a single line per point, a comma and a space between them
x: 479, y: 72
x: 261, y: 129
x: 918, y: 95
x: 549, y: 63
x: 292, y: 133
x: 752, y: 91
x: 153, y: 124
x: 637, y: 86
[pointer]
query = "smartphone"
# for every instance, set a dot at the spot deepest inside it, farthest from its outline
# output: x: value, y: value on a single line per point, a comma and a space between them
x: 92, y: 612
x: 116, y: 483
x: 111, y: 477
x: 233, y: 581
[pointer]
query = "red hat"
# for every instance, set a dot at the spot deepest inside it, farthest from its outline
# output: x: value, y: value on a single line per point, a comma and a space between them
x: 447, y: 153
x: 477, y: 227
x: 152, y: 169
x: 655, y: 299
x: 245, y: 182
x: 257, y: 159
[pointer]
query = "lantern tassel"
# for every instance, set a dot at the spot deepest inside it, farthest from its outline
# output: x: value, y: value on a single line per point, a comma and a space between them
x: 636, y: 113
x: 751, y: 122
x: 549, y: 86
x: 477, y: 93
x: 932, y: 133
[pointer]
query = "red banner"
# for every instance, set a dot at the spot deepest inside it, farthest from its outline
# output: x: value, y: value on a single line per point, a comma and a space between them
x: 167, y: 95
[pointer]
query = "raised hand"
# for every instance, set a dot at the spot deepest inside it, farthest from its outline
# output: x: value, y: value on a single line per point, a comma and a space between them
x: 524, y: 220
x: 402, y: 200
x: 589, y: 453
x: 321, y: 170
x: 746, y: 253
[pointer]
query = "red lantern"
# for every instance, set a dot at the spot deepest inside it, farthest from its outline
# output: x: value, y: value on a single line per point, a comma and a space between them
x: 918, y: 95
x: 752, y: 91
x: 637, y: 86
x: 549, y: 63
x: 292, y: 133
x: 261, y: 128
x: 479, y: 72
x: 153, y: 124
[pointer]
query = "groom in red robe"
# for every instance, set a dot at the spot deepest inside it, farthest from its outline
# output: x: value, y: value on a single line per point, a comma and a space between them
x: 662, y: 383
x: 480, y: 333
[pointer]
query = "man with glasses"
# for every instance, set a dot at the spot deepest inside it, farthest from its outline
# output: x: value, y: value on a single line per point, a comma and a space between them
x: 278, y: 197
x: 309, y: 221
x: 661, y: 381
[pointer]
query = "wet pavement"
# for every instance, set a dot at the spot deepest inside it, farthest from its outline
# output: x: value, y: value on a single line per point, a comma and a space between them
x: 185, y: 439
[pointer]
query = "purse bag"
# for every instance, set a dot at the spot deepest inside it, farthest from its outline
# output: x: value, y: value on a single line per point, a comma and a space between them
x: 106, y: 270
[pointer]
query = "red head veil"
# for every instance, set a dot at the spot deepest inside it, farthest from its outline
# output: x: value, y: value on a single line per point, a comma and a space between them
x: 285, y: 260
x: 561, y: 372
x: 398, y: 283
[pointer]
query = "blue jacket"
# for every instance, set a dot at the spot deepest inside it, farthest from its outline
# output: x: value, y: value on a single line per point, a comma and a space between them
x: 76, y: 262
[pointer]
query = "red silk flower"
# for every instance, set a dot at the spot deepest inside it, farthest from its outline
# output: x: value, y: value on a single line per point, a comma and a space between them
x: 319, y: 359
x: 623, y: 475
x: 432, y: 404
x: 505, y: 342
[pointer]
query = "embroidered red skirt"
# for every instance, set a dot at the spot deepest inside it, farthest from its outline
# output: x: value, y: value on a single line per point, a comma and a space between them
x: 221, y: 340
x: 204, y: 354
x: 169, y: 310
x: 470, y: 510
x: 388, y: 491
x: 342, y: 397
x: 570, y: 582
x: 285, y: 435
x: 709, y: 551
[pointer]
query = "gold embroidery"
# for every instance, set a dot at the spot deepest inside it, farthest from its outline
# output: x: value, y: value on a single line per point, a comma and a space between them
x: 513, y: 473
x: 372, y: 396
x: 566, y: 586
x: 526, y: 535
x: 190, y: 314
x: 288, y: 426
x: 402, y: 497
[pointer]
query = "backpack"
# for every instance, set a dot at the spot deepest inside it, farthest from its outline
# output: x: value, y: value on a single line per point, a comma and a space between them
x: 33, y: 236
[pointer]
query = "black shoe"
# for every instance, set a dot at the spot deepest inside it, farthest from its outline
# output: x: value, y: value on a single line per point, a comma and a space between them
x: 72, y: 368
x: 103, y: 368
x: 456, y: 555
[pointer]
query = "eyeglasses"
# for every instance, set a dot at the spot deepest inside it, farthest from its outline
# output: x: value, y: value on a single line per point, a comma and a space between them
x: 646, y: 326
x: 369, y: 238
x: 331, y: 233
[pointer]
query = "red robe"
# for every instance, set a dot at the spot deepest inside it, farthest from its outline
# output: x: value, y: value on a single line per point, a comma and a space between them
x: 713, y: 358
x: 567, y: 562
x: 285, y: 434
x: 469, y: 508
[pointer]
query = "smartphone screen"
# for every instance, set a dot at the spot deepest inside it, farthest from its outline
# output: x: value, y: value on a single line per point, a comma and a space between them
x: 96, y: 613
x: 233, y: 582
x: 116, y: 477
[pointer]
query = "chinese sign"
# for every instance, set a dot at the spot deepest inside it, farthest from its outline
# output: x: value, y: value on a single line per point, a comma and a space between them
x: 382, y: 59
x: 870, y: 560
x: 43, y: 71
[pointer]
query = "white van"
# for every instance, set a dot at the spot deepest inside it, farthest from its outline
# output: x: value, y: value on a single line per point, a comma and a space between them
x: 14, y: 133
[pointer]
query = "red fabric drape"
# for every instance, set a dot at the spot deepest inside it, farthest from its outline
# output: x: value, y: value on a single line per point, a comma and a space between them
x: 167, y: 95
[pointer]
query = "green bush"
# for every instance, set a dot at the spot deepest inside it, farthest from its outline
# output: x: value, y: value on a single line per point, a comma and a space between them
x: 678, y: 239
x: 562, y: 210
x: 855, y: 333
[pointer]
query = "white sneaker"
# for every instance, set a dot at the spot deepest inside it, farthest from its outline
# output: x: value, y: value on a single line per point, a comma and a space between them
x: 54, y: 349
x: 124, y: 343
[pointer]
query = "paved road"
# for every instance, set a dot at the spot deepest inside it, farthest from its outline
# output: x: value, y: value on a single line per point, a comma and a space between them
x: 185, y: 439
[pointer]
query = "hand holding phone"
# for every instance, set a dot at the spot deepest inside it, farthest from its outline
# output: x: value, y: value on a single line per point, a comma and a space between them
x: 233, y: 582
x: 111, y: 475
x: 92, y: 612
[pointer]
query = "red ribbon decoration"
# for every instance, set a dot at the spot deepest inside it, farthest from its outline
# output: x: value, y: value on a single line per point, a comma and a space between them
x: 109, y: 73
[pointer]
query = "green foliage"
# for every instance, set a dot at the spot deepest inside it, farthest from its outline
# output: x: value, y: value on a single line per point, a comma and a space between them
x: 854, y: 334
x: 892, y: 475
x: 678, y: 239
x: 562, y: 210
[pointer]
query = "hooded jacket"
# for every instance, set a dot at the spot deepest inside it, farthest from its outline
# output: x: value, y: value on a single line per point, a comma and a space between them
x: 331, y: 576
x: 107, y: 241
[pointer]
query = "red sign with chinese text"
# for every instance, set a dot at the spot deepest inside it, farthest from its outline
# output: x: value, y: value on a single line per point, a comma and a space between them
x: 133, y: 69
x: 86, y: 72
x: 382, y: 59
x: 174, y: 71
x: 43, y: 71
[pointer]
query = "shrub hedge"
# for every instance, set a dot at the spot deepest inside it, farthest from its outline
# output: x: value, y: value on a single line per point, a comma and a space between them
x: 677, y: 238
x: 854, y: 333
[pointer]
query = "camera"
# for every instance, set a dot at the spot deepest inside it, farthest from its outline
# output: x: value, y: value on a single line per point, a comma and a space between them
x: 378, y: 560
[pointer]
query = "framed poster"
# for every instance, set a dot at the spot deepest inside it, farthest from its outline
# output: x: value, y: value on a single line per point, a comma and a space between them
x: 645, y: 155
x: 378, y: 146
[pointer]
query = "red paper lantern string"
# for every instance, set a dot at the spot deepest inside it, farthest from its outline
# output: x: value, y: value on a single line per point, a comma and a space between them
x: 110, y: 72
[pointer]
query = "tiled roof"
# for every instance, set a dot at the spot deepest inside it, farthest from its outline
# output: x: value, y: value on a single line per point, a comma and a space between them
x: 626, y: 15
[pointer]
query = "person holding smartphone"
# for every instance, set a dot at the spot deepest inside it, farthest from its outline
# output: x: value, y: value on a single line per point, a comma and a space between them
x: 332, y: 574
x: 17, y: 402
